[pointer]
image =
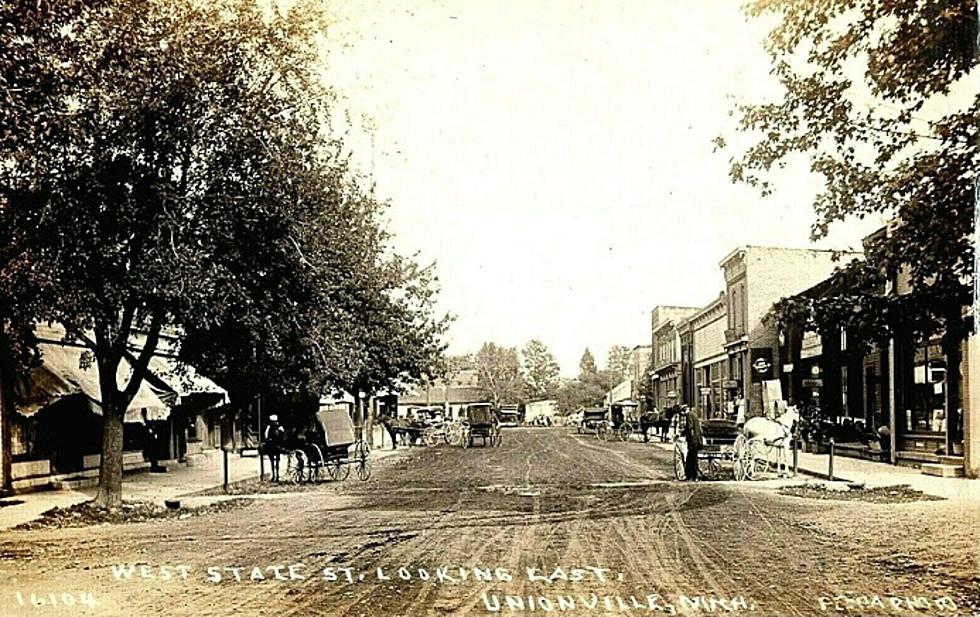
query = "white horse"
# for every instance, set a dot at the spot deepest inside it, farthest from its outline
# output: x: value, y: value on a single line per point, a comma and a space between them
x: 775, y: 434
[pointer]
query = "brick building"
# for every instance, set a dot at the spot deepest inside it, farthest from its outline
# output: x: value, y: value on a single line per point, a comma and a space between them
x: 668, y: 377
x: 709, y: 359
x: 640, y: 357
x: 755, y: 278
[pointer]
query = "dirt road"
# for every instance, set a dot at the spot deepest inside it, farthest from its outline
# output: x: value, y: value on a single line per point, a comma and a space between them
x: 548, y: 523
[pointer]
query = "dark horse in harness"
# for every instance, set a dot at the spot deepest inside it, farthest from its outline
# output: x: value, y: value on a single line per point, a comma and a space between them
x: 400, y: 427
x: 659, y: 421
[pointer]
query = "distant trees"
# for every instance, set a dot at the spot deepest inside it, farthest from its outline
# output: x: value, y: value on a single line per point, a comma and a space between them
x: 587, y: 365
x: 499, y: 371
x: 541, y: 371
x: 618, y: 361
x: 587, y: 389
x: 169, y: 164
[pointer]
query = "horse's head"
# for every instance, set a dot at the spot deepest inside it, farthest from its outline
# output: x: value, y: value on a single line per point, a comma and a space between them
x: 790, y: 418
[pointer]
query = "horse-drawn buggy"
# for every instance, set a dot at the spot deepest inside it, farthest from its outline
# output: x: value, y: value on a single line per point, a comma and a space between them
x: 717, y: 452
x: 593, y: 420
x: 764, y: 444
x: 440, y: 430
x: 478, y: 420
x: 748, y: 451
x: 330, y: 449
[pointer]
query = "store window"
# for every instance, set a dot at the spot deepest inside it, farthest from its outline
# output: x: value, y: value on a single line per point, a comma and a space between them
x: 927, y: 403
x: 844, y: 410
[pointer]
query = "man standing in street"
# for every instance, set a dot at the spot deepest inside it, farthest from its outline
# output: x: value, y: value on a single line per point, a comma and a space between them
x: 692, y: 434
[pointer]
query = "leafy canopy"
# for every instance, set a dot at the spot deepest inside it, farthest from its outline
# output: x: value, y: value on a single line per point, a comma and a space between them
x: 882, y: 97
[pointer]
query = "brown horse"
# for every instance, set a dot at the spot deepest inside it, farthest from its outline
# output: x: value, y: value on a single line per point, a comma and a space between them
x: 657, y: 420
x: 400, y: 427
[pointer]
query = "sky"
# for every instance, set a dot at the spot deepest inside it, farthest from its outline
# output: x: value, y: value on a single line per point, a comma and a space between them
x: 555, y: 158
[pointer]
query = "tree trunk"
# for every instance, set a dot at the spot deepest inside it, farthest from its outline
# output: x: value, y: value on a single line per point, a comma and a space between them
x: 111, y: 467
x: 358, y: 416
x: 371, y: 403
x: 6, y: 410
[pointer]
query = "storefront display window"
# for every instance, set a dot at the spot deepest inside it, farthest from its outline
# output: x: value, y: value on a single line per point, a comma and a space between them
x: 926, y: 412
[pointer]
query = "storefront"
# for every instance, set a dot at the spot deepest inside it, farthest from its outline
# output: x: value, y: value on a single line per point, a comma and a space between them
x: 921, y: 423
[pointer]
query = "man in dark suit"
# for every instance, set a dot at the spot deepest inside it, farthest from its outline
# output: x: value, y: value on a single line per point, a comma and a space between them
x: 694, y: 438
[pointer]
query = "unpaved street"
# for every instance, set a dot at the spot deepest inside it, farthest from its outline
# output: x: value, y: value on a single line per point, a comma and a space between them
x: 549, y: 523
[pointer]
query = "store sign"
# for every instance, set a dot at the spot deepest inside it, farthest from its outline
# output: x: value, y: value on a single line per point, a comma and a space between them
x: 761, y: 364
x: 812, y: 383
x: 812, y: 345
x: 705, y: 391
x: 787, y: 368
x: 729, y: 384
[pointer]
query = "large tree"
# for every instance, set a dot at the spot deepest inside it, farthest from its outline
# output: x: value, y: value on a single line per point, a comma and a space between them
x: 586, y: 365
x: 158, y: 164
x: 401, y: 337
x: 499, y: 370
x: 882, y: 97
x: 618, y: 361
x: 541, y: 371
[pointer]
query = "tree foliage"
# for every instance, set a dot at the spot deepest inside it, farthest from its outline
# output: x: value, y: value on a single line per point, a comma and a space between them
x: 882, y: 97
x: 541, y: 371
x: 587, y: 365
x: 619, y: 360
x: 499, y: 370
x: 170, y: 164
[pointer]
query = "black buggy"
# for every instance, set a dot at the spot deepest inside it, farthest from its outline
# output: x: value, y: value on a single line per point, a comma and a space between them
x: 478, y: 420
x: 330, y: 453
x: 717, y: 453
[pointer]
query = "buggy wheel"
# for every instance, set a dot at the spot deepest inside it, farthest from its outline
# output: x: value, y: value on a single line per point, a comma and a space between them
x: 316, y: 474
x: 430, y: 437
x: 295, y: 466
x: 315, y: 465
x: 709, y: 468
x: 361, y: 463
x: 679, y: 455
x: 337, y: 469
x: 740, y: 459
x: 625, y: 430
x: 754, y: 462
x: 363, y: 469
x: 760, y: 458
x: 454, y: 434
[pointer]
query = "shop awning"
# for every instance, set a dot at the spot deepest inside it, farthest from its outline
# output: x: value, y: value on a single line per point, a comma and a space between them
x: 62, y: 375
x: 171, y: 380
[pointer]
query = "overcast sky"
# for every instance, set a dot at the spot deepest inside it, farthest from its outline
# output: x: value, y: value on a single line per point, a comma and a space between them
x: 555, y: 158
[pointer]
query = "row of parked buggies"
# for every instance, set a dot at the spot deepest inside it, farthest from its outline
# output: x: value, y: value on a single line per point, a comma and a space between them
x: 477, y: 421
x: 727, y: 450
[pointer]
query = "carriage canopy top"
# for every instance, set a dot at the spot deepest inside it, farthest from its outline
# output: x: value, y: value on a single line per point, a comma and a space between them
x: 479, y: 414
x: 338, y: 430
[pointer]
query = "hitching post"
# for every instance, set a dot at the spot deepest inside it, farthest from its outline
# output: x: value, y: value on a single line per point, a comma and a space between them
x: 830, y: 471
x: 225, y: 454
x: 258, y: 405
x: 796, y: 455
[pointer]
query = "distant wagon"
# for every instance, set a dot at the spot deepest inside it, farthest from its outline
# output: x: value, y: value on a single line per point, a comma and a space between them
x: 479, y: 421
x: 509, y: 415
x: 594, y: 420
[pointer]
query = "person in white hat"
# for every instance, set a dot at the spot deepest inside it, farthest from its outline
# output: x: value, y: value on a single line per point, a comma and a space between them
x: 272, y: 442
